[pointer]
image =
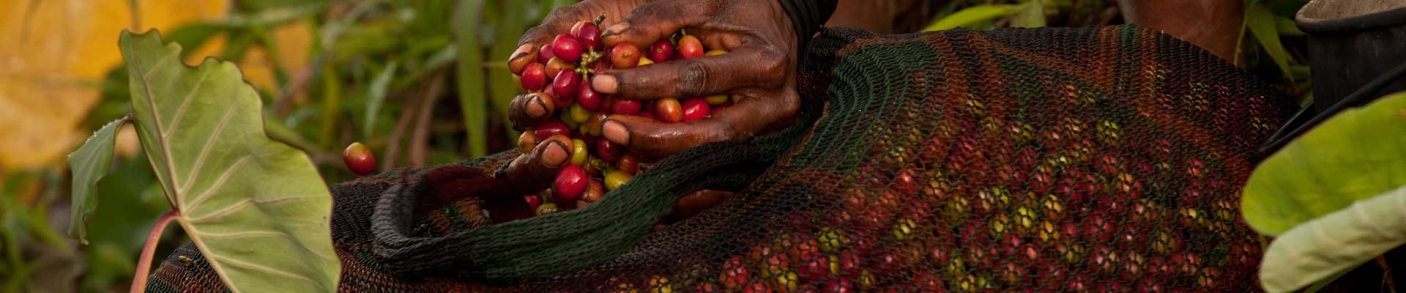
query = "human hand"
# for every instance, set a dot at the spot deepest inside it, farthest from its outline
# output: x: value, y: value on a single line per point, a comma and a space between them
x: 758, y: 70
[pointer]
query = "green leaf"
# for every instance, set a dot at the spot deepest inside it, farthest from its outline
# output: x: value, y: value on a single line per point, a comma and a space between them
x: 1335, y: 243
x: 467, y: 18
x: 1355, y: 155
x: 255, y: 208
x: 1262, y: 25
x: 88, y: 165
x: 502, y: 88
x: 1287, y: 26
x: 375, y: 96
x: 1033, y: 15
x: 973, y: 15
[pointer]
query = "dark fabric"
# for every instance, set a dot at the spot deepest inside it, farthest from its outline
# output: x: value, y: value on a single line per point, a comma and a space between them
x: 1107, y: 159
x: 808, y: 17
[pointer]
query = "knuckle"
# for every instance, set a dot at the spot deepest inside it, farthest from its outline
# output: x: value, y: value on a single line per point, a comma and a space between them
x: 772, y: 62
x: 693, y: 78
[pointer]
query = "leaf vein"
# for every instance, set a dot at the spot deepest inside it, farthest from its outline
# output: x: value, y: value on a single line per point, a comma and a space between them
x: 218, y: 184
x: 258, y: 267
x: 181, y: 111
x: 205, y: 151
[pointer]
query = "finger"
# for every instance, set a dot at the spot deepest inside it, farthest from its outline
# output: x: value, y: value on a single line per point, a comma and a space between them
x: 695, y: 203
x: 526, y: 53
x: 657, y: 20
x: 557, y: 22
x: 708, y: 75
x: 529, y: 110
x: 533, y: 172
x: 654, y: 139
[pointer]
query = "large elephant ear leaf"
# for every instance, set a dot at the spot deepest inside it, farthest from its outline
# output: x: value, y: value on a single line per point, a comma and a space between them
x: 256, y: 208
x: 1356, y: 155
x: 1332, y: 244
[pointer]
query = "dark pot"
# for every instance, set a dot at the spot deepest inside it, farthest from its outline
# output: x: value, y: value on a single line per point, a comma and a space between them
x: 1352, y: 42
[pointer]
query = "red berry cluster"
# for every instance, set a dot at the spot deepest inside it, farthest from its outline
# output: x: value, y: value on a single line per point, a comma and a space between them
x: 562, y: 74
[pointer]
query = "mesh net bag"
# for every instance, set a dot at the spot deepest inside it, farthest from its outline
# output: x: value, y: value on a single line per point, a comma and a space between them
x: 1106, y: 159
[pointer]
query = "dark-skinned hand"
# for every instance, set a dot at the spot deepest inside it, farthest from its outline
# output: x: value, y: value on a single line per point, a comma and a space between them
x: 758, y: 72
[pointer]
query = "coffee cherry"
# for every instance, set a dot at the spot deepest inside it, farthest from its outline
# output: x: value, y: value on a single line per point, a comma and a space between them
x: 614, y: 179
x: 690, y: 47
x: 588, y: 33
x: 735, y: 274
x: 593, y: 124
x: 608, y: 151
x: 626, y: 107
x: 359, y: 159
x: 716, y: 100
x: 624, y: 56
x: 715, y: 52
x: 594, y: 191
x: 533, y: 201
x: 579, y: 114
x: 545, y: 54
x: 839, y: 285
x: 527, y: 141
x: 556, y: 66
x: 628, y: 163
x: 567, y: 48
x: 588, y: 98
x: 567, y: 85
x: 578, y: 152
x: 552, y: 128
x: 695, y: 108
x: 566, y: 118
x: 644, y: 61
x: 570, y: 184
x: 661, y: 51
x: 534, y: 77
x: 668, y: 110
x: 546, y: 209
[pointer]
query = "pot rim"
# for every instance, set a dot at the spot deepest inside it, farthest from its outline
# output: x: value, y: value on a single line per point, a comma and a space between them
x: 1384, y: 18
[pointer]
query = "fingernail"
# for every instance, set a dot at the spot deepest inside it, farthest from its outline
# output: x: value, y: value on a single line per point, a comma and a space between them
x: 521, y: 51
x: 603, y: 83
x: 536, y: 108
x: 616, y: 132
x: 555, y: 155
x: 615, y: 29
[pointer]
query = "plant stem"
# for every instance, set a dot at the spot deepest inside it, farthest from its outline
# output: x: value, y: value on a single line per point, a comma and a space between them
x: 144, y: 264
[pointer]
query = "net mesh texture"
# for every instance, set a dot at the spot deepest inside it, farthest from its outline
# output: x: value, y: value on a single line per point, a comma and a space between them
x: 1054, y: 159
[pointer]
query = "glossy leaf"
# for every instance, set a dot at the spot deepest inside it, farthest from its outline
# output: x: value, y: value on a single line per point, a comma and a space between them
x: 375, y: 96
x: 1353, y: 156
x: 255, y: 208
x: 972, y: 15
x: 502, y: 86
x: 1335, y: 243
x: 1032, y: 15
x: 1261, y: 24
x: 88, y: 165
x: 468, y: 16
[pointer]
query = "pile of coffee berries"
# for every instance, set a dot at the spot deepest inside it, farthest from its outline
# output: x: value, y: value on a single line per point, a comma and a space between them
x: 561, y: 73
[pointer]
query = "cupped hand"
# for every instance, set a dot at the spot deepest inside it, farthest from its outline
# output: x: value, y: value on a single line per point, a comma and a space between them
x: 758, y: 72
